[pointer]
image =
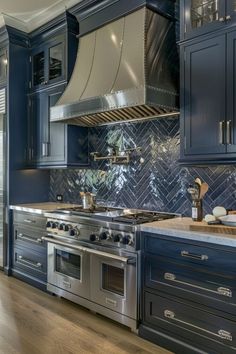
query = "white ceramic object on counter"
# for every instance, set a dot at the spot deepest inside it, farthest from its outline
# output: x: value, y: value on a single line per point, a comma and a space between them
x: 219, y: 211
x: 228, y: 220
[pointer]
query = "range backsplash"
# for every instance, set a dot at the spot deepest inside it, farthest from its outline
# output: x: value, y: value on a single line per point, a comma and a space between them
x: 159, y: 183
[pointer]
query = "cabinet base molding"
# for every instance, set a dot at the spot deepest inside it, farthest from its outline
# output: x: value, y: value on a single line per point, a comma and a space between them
x: 29, y: 279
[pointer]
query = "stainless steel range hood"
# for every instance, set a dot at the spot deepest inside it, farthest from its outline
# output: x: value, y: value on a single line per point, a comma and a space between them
x: 125, y: 71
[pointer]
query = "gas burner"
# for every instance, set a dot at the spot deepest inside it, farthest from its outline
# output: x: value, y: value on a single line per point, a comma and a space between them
x: 141, y: 217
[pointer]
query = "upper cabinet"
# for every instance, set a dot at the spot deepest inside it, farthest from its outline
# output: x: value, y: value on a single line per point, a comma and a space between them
x: 208, y: 99
x: 53, y: 53
x: 203, y: 16
x: 48, y: 62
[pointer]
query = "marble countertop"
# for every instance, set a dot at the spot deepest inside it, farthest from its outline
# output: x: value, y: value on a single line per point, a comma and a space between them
x: 179, y: 227
x: 41, y: 208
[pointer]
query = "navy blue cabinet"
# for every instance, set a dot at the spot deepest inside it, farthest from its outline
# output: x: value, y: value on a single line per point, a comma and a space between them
x: 54, y: 144
x: 203, y: 16
x: 29, y: 253
x: 188, y: 297
x: 208, y: 122
x: 204, y: 96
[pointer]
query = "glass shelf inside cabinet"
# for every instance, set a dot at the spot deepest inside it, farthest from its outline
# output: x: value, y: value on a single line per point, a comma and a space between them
x: 55, y: 61
x: 204, y: 12
x: 38, y: 68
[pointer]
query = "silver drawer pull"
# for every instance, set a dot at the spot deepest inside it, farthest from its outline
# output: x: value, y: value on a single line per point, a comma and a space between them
x: 225, y: 335
x: 228, y: 132
x: 30, y: 263
x: 219, y: 291
x: 29, y: 221
x: 224, y: 291
x: 201, y: 257
x: 221, y: 132
x: 28, y: 238
x: 220, y: 334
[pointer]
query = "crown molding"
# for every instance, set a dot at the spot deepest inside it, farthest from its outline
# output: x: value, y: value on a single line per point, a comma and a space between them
x: 37, y: 19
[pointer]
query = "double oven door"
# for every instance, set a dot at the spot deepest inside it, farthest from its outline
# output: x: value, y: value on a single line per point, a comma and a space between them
x: 108, y: 279
x: 69, y: 269
x: 114, y: 283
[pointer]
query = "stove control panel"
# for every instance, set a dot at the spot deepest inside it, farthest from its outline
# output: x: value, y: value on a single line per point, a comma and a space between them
x: 90, y: 233
x: 56, y: 227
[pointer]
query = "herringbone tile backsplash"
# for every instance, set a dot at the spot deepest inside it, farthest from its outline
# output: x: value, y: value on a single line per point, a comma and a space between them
x: 159, y: 183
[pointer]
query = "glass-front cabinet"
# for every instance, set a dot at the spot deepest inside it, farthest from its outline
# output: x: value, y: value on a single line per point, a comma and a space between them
x: 3, y: 66
x: 48, y: 62
x: 203, y: 16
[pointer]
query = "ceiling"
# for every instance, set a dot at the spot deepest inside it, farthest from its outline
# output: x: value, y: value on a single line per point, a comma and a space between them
x: 28, y: 15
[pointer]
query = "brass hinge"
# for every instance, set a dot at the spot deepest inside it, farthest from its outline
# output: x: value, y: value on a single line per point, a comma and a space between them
x: 185, y: 28
x: 30, y: 59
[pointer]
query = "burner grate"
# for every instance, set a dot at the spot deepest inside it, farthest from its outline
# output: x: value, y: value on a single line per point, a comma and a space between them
x: 142, y: 217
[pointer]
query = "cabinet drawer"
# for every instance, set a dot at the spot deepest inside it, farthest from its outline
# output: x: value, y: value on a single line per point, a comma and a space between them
x: 28, y: 237
x: 166, y: 275
x: 28, y: 219
x: 31, y: 262
x: 191, y: 254
x: 186, y: 320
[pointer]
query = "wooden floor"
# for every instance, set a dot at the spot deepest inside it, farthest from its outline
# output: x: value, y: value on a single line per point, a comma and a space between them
x: 33, y: 322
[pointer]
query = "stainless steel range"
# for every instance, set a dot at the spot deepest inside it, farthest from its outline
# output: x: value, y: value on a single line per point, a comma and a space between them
x: 94, y: 258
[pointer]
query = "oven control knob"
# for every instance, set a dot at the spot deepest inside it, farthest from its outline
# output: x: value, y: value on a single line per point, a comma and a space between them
x: 61, y: 227
x: 104, y: 236
x: 66, y: 227
x: 53, y: 225
x: 127, y: 240
x: 117, y: 238
x: 48, y: 224
x: 93, y: 237
x: 72, y: 232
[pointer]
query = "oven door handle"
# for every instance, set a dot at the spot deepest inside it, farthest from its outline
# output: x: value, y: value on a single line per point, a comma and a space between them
x: 129, y: 260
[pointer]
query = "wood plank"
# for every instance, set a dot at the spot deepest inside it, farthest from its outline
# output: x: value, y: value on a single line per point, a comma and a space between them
x: 34, y: 322
x: 219, y: 229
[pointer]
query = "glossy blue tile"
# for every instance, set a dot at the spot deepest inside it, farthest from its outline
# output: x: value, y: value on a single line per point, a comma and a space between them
x: 158, y: 184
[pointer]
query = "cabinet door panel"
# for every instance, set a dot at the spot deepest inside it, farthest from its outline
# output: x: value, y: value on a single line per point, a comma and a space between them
x: 204, y: 258
x: 187, y: 320
x: 52, y: 135
x: 170, y: 277
x: 205, y: 97
x: 231, y: 92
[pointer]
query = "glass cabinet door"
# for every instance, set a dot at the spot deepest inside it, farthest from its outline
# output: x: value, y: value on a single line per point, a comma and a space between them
x: 202, y: 16
x: 204, y: 12
x: 38, y: 68
x: 3, y: 66
x: 55, y: 61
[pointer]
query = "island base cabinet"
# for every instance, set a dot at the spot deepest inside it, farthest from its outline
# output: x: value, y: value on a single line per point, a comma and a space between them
x: 188, y: 324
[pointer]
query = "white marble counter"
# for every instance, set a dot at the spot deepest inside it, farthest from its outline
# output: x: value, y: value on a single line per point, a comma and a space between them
x: 179, y: 227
